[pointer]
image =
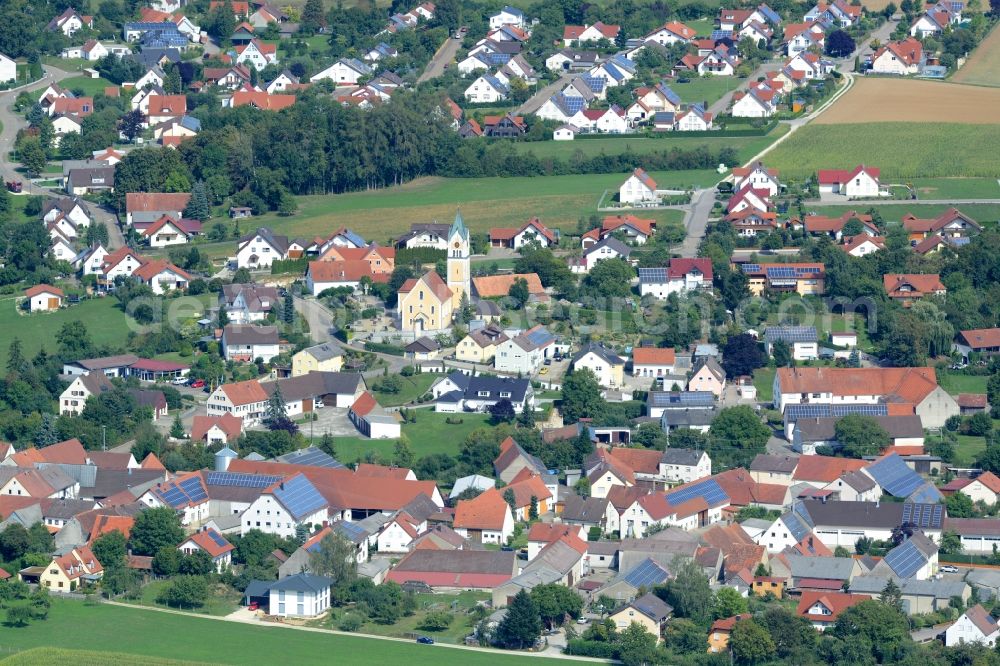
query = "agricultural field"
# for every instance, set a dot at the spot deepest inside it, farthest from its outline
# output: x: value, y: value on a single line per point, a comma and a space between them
x: 983, y: 66
x: 145, y: 633
x: 894, y: 100
x: 747, y: 147
x: 956, y: 188
x: 903, y: 150
x: 559, y: 201
x: 106, y: 324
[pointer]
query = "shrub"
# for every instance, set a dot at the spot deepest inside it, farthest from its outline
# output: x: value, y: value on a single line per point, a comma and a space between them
x: 435, y: 621
x: 350, y: 622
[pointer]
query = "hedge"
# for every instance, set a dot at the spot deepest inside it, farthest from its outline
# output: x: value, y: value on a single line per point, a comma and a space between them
x: 290, y: 266
x: 382, y: 348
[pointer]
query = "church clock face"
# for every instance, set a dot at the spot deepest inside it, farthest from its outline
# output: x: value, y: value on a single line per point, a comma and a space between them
x: 457, y: 245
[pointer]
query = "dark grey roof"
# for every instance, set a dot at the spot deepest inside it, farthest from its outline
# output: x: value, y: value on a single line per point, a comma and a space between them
x: 258, y: 588
x: 612, y: 242
x: 826, y: 568
x: 858, y: 480
x: 494, y: 386
x: 459, y: 561
x: 584, y: 510
x: 421, y: 507
x: 96, y: 382
x: 112, y: 481
x: 245, y: 334
x: 652, y: 607
x: 712, y: 365
x: 937, y: 589
x: 689, y: 418
x: 302, y: 582
x: 315, y: 385
x: 102, y: 177
x: 279, y: 243
x: 770, y: 463
x: 601, y: 351
x: 861, y: 514
x: 323, y: 352
x: 311, y: 456
x: 823, y: 429
x: 64, y: 509
x: 688, y: 457
x: 423, y: 344
x: 255, y: 296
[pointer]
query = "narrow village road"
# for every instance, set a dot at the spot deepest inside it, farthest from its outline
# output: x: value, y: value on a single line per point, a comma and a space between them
x: 439, y: 63
x: 696, y: 220
x: 535, y: 101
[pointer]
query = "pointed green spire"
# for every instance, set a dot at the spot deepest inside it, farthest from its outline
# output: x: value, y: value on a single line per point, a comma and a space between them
x: 458, y: 226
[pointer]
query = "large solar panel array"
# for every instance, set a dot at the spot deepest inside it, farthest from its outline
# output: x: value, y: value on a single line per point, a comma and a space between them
x: 797, y: 526
x: 819, y: 411
x: 653, y: 275
x: 495, y: 58
x: 571, y: 103
x: 194, y: 489
x: 174, y: 496
x: 312, y: 457
x: 352, y: 531
x: 927, y: 493
x: 895, y: 476
x: 790, y: 271
x: 791, y: 333
x: 646, y: 573
x: 241, y: 479
x: 721, y: 34
x: 799, y: 509
x: 299, y: 496
x: 923, y: 515
x: 905, y: 559
x: 751, y: 268
x: 595, y: 83
x: 685, y: 398
x: 708, y: 489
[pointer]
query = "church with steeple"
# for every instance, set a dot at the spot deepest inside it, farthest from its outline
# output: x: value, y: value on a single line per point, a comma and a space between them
x: 459, y: 253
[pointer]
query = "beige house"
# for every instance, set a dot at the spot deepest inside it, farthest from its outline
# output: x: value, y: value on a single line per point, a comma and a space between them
x: 649, y: 611
x: 708, y: 375
x: 425, y: 304
x: 984, y: 488
x: 66, y: 572
x: 480, y: 346
x: 607, y: 366
x: 74, y: 398
x: 325, y: 357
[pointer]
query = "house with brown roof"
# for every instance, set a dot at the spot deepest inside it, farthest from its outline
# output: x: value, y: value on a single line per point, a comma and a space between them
x: 513, y: 459
x: 951, y: 224
x: 212, y: 430
x: 213, y: 543
x: 43, y: 297
x: 902, y: 57
x: 486, y: 518
x: 974, y: 627
x: 498, y: 286
x: 68, y: 572
x: 823, y: 608
x: 372, y: 420
x: 529, y: 491
x: 480, y: 345
x: 532, y: 231
x: 246, y: 400
x: 718, y: 634
x: 908, y: 287
x: 984, y: 488
x: 834, y: 226
x: 904, y: 390
x: 653, y: 361
x: 82, y: 388
x: 455, y: 570
x: 150, y: 206
x: 323, y: 275
x: 638, y: 189
x: 984, y: 341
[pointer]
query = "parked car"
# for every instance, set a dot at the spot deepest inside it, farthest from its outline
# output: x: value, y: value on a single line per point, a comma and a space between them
x: 198, y: 383
x: 948, y: 568
x: 179, y: 381
x: 425, y: 640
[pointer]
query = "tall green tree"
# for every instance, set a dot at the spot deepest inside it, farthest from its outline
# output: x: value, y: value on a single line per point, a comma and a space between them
x: 556, y: 603
x: 737, y: 435
x: 581, y: 396
x: 884, y: 628
x: 636, y: 646
x: 335, y: 558
x: 750, y: 643
x: 110, y: 549
x: 861, y: 436
x: 522, y: 625
x: 155, y: 529
x: 198, y: 207
x: 688, y: 592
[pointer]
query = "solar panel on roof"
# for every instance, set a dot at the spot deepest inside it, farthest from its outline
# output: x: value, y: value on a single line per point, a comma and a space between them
x: 217, y: 538
x: 351, y: 530
x: 174, y: 496
x: 539, y: 337
x: 895, y: 476
x: 819, y: 411
x: 751, y: 268
x: 645, y: 574
x: 241, y: 480
x: 721, y: 34
x: 905, y: 559
x: 193, y: 488
x: 653, y: 275
x: 797, y: 526
x: 708, y: 489
x: 299, y: 496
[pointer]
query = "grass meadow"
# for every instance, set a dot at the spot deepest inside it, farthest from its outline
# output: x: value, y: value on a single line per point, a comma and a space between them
x: 144, y: 633
x: 104, y: 321
x: 902, y: 150
x: 983, y: 66
x: 429, y: 435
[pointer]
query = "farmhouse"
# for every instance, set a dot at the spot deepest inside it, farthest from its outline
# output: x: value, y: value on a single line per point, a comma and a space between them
x: 862, y: 182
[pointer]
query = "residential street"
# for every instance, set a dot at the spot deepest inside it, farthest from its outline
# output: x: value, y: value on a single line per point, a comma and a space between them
x: 696, y: 220
x: 13, y: 121
x: 535, y: 101
x: 441, y: 59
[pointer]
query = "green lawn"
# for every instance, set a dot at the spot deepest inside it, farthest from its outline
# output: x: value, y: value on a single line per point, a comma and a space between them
x: 707, y: 89
x: 956, y: 188
x: 43, y: 656
x: 219, y: 603
x: 430, y: 434
x: 901, y: 150
x: 746, y: 146
x: 106, y: 324
x: 968, y: 448
x: 88, y: 85
x: 105, y: 628
x: 763, y: 380
x: 413, y: 388
x: 456, y: 604
x: 956, y: 383
x: 559, y: 201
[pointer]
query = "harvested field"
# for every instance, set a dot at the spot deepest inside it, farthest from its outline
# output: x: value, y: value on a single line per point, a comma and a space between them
x: 983, y: 66
x: 884, y: 100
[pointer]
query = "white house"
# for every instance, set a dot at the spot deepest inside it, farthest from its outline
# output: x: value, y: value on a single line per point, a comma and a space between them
x: 153, y: 77
x: 397, y: 535
x: 861, y: 182
x: 565, y: 133
x: 693, y: 119
x: 671, y: 33
x: 261, y: 249
x: 486, y: 89
x: 256, y: 54
x: 8, y: 69
x: 758, y: 177
x: 974, y: 626
x: 608, y: 367
x: 682, y: 275
x: 62, y: 250
x: 638, y: 188
x: 524, y: 353
x: 74, y: 398
x: 213, y: 543
x: 902, y: 57
x: 802, y: 341
x: 507, y: 16
x: 299, y: 595
x: 247, y: 400
x: 43, y: 297
x: 753, y: 104
x: 684, y: 465
x: 285, y: 505
x: 609, y: 248
x: 653, y: 361
x: 241, y: 342
x: 344, y: 72
x: 166, y: 231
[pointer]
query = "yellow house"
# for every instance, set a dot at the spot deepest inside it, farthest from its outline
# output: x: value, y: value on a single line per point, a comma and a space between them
x: 425, y: 304
x: 65, y: 572
x: 764, y: 584
x: 607, y: 366
x: 648, y: 611
x: 319, y: 358
x: 480, y: 346
x: 718, y: 635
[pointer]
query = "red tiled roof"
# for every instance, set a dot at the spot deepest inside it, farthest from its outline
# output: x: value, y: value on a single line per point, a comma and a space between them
x: 840, y: 176
x: 901, y: 385
x: 981, y: 338
x: 487, y: 511
x: 262, y: 100
x: 825, y: 469
x: 494, y: 286
x: 351, y: 270
x: 148, y: 202
x: 433, y: 282
x: 680, y: 267
x: 43, y: 289
x: 245, y: 392
x: 167, y: 105
x: 381, y: 471
x: 205, y: 541
x: 155, y: 267
x: 365, y: 403
x: 972, y: 400
x: 612, y: 222
x: 835, y: 602
x: 230, y: 425
x: 653, y: 356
